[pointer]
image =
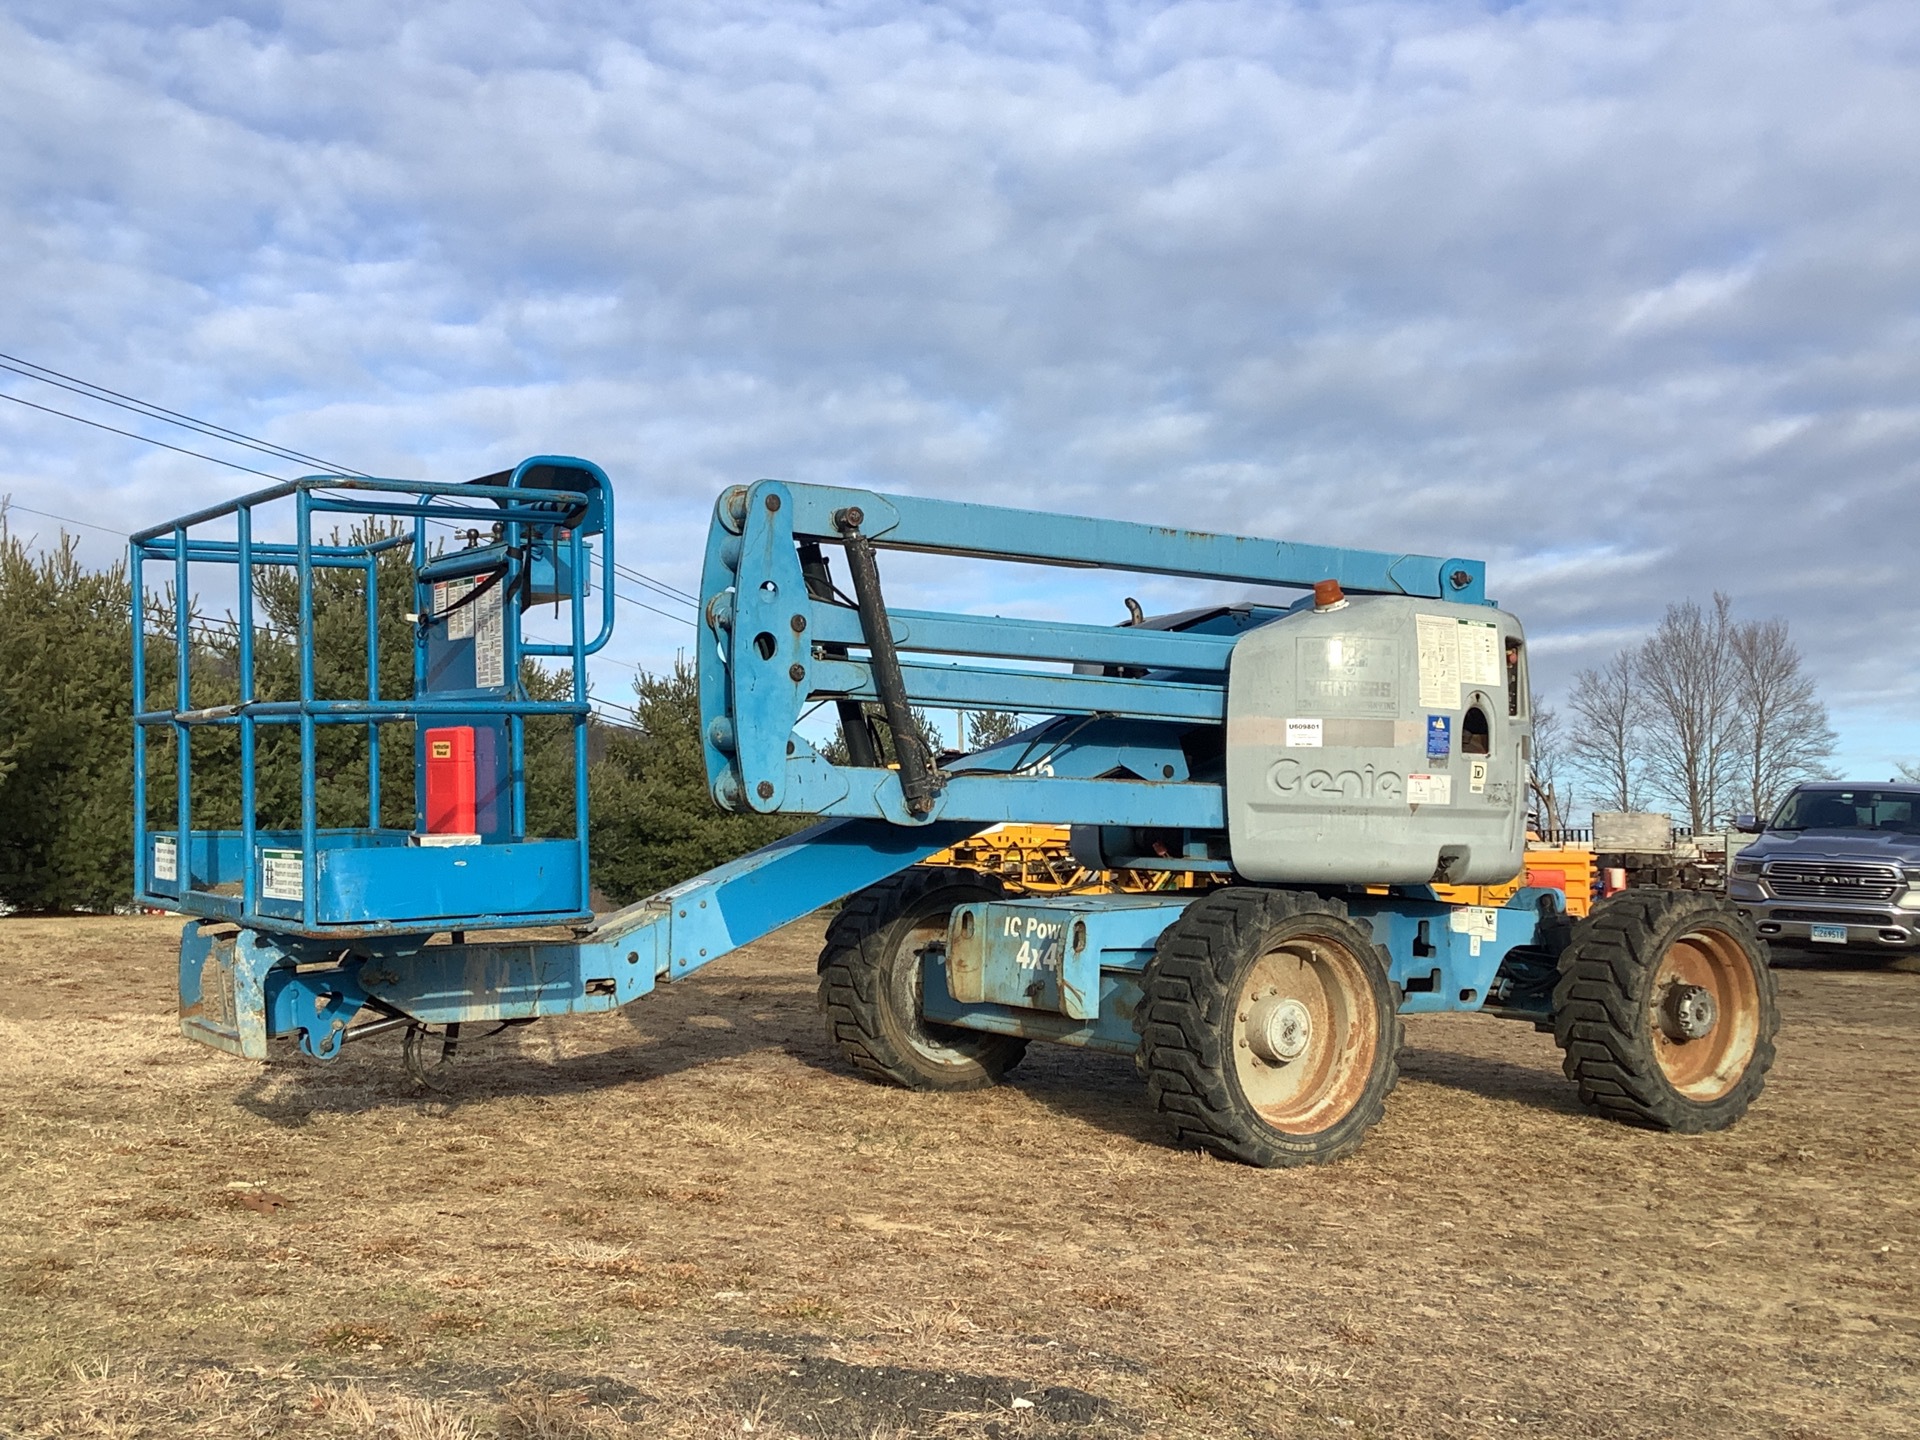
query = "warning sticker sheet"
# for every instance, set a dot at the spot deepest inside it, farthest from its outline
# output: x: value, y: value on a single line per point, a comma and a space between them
x: 447, y: 594
x: 280, y: 877
x: 1438, y: 637
x: 1429, y: 789
x: 1479, y: 653
x: 489, y: 639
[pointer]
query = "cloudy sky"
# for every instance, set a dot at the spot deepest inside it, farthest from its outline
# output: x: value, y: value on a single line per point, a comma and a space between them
x: 1623, y: 297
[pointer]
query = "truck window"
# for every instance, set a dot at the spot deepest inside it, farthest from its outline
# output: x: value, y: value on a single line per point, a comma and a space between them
x: 1850, y: 809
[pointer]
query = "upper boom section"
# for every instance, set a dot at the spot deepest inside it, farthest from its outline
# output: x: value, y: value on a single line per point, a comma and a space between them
x: 952, y: 527
x: 777, y: 636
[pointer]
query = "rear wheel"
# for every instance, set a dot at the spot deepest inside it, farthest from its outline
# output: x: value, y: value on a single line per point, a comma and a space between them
x: 870, y: 984
x: 1269, y: 1031
x: 1666, y: 1011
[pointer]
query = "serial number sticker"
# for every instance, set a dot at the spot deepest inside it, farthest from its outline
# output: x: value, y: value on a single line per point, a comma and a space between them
x: 280, y: 875
x: 166, y: 858
x: 1830, y: 934
x: 1305, y: 733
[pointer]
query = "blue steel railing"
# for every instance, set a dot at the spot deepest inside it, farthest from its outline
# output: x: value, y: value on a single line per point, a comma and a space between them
x: 522, y: 511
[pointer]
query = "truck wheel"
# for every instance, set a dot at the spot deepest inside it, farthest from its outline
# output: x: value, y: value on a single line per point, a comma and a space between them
x: 1666, y: 1012
x: 870, y: 984
x: 1269, y: 1031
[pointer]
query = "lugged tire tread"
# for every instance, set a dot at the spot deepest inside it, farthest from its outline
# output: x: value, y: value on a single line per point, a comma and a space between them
x: 1601, y: 1001
x: 852, y: 984
x: 1182, y: 1022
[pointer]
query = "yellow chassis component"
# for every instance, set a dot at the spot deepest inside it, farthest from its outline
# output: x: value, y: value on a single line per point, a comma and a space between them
x: 1036, y: 860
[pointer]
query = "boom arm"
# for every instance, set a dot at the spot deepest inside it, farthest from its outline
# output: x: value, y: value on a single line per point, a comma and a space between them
x: 772, y: 645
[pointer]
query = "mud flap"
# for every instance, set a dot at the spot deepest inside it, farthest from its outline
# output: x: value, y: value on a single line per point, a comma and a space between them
x: 223, y: 989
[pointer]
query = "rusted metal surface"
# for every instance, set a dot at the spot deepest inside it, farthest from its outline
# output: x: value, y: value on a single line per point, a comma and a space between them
x: 1713, y: 963
x: 1304, y: 1077
x: 223, y: 990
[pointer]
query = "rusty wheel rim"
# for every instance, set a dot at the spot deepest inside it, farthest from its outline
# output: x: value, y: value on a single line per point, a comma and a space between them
x: 1714, y: 963
x: 905, y: 984
x: 1305, y: 1034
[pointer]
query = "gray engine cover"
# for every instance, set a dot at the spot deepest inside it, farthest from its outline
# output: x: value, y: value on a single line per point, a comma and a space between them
x: 1345, y: 731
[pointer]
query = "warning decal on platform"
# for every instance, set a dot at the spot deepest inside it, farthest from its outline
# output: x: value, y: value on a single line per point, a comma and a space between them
x: 280, y: 875
x: 446, y: 595
x: 489, y: 640
x: 166, y: 858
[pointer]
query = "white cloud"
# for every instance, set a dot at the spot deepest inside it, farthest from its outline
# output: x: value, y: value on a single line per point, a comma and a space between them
x: 1623, y: 298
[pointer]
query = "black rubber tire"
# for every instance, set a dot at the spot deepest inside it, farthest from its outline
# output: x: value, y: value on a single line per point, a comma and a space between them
x: 870, y: 985
x: 1189, y: 1019
x: 1606, y: 1007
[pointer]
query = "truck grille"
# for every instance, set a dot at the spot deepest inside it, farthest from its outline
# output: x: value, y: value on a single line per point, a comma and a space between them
x: 1834, y: 880
x: 1831, y: 917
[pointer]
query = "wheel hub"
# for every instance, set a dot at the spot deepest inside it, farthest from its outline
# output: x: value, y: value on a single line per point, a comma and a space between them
x: 1687, y: 1012
x: 1279, y: 1029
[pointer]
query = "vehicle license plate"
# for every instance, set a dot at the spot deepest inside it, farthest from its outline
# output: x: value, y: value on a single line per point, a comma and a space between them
x: 1830, y: 934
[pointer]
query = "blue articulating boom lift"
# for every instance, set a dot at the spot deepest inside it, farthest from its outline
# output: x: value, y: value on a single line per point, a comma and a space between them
x: 1325, y: 755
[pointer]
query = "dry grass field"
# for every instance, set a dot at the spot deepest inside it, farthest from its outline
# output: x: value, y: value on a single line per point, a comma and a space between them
x: 689, y: 1219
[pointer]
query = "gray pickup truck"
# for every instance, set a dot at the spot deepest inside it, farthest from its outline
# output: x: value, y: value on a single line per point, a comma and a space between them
x: 1838, y: 864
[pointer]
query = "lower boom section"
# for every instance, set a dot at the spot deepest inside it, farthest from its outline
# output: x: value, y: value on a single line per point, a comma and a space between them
x: 239, y: 988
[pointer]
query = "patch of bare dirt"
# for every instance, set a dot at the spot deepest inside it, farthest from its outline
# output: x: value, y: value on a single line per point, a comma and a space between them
x: 689, y: 1219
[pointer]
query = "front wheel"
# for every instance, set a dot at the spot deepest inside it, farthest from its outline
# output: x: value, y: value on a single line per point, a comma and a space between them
x: 1269, y: 1031
x: 1666, y: 1012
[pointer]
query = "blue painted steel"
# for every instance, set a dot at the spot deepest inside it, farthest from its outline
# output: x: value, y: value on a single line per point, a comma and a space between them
x: 1111, y: 1031
x: 1027, y: 966
x: 1445, y: 956
x: 616, y: 960
x: 1126, y: 748
x: 1049, y: 954
x: 223, y: 979
x: 760, y: 669
x: 371, y: 882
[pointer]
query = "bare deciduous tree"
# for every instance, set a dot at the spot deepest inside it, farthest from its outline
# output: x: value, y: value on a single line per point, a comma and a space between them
x: 1783, y: 726
x: 1689, y: 695
x: 1708, y: 714
x: 1548, y: 779
x: 1604, y: 745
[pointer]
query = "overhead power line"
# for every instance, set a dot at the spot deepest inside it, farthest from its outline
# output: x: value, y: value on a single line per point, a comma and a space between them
x: 135, y: 435
x: 663, y: 614
x: 151, y: 411
x: 32, y: 370
x: 672, y: 592
x: 63, y: 519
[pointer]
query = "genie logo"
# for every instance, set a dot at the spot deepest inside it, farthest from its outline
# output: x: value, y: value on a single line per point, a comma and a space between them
x: 1295, y: 780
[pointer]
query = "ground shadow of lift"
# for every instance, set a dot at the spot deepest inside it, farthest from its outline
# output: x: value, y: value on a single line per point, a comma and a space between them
x: 1491, y: 1079
x: 681, y: 1032
x: 690, y: 1026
